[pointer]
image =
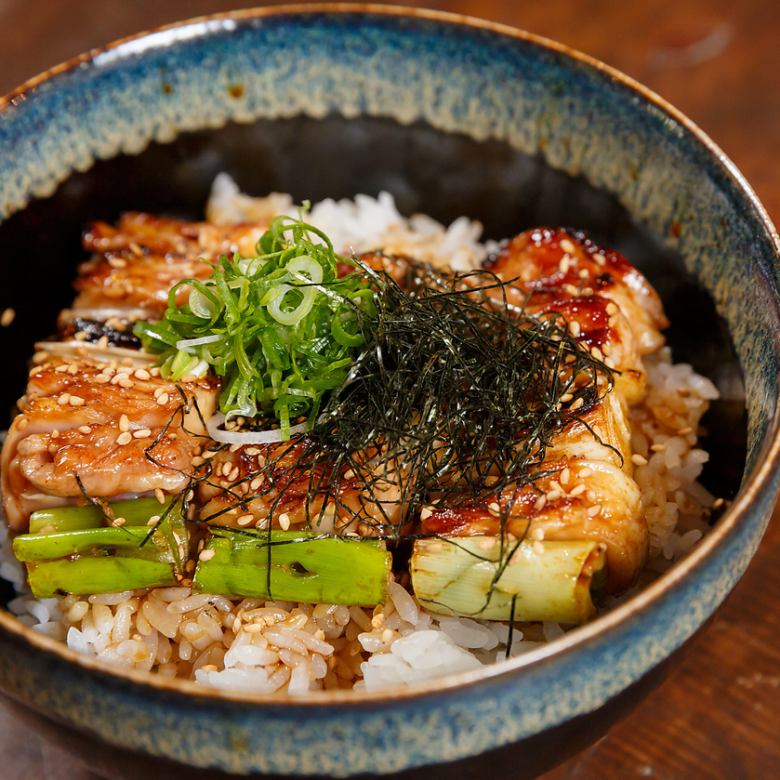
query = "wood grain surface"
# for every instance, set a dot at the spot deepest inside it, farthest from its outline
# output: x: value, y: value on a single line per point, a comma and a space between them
x: 718, y: 713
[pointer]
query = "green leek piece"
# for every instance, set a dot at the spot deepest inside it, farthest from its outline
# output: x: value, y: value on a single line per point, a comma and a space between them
x: 304, y: 567
x: 83, y: 576
x: 171, y: 529
x: 136, y: 511
x: 100, y: 541
x: 546, y: 580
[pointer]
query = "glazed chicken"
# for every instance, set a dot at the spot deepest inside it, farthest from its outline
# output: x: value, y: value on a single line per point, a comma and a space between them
x: 93, y: 423
x: 135, y: 264
x: 243, y: 491
x: 550, y: 265
x: 613, y: 311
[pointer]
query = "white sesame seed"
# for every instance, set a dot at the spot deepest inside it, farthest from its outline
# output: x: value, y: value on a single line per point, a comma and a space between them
x: 76, y: 400
x: 85, y: 429
x: 63, y: 399
x: 245, y: 519
x: 577, y: 489
x: 142, y: 373
x: 577, y: 404
x: 124, y: 423
x: 284, y: 521
x: 159, y: 495
x: 657, y: 447
x: 563, y: 265
x: 153, y: 520
x: 599, y: 258
x: 118, y: 521
x: 593, y: 511
x: 612, y: 308
x: 565, y: 474
x: 252, y: 451
x: 7, y: 317
x: 207, y: 555
x: 638, y: 460
x: 426, y: 513
x: 568, y: 246
x: 539, y: 503
x: 124, y: 438
x: 162, y: 399
x: 494, y: 508
x: 61, y: 369
x: 126, y: 383
x: 143, y: 433
x: 255, y: 483
x: 575, y: 328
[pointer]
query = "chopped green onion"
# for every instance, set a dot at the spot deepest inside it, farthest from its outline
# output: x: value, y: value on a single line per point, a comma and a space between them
x: 282, y: 328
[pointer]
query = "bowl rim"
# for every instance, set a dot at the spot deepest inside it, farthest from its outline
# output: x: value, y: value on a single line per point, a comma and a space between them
x: 756, y: 484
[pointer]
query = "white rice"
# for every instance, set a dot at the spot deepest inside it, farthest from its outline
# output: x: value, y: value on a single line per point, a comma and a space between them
x: 257, y: 646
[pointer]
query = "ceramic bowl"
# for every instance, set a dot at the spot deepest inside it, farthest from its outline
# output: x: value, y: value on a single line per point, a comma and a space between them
x: 454, y: 116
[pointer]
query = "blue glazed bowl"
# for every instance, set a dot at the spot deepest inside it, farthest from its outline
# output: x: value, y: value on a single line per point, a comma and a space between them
x: 454, y: 116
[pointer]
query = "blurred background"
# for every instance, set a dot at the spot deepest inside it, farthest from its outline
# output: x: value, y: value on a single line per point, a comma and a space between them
x: 718, y: 714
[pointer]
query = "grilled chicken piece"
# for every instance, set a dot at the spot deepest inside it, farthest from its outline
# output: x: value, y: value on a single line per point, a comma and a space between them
x: 553, y: 264
x: 617, y: 316
x: 583, y: 500
x: 135, y: 264
x: 590, y: 495
x: 91, y: 420
x: 243, y: 490
x: 612, y: 308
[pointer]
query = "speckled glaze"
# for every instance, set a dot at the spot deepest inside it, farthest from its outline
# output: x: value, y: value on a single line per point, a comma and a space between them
x: 484, y: 81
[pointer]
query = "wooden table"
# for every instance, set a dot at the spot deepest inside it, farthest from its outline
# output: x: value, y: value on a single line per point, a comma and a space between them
x: 718, y: 714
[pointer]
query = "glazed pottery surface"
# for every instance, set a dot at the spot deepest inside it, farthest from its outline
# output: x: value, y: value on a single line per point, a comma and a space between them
x: 454, y: 117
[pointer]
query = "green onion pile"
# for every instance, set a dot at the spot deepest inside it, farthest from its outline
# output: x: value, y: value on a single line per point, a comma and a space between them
x: 281, y: 329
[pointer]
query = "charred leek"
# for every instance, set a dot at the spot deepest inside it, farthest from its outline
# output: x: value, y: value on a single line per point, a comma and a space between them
x: 294, y: 566
x: 87, y: 575
x: 545, y: 580
x: 135, y: 511
x: 70, y: 550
